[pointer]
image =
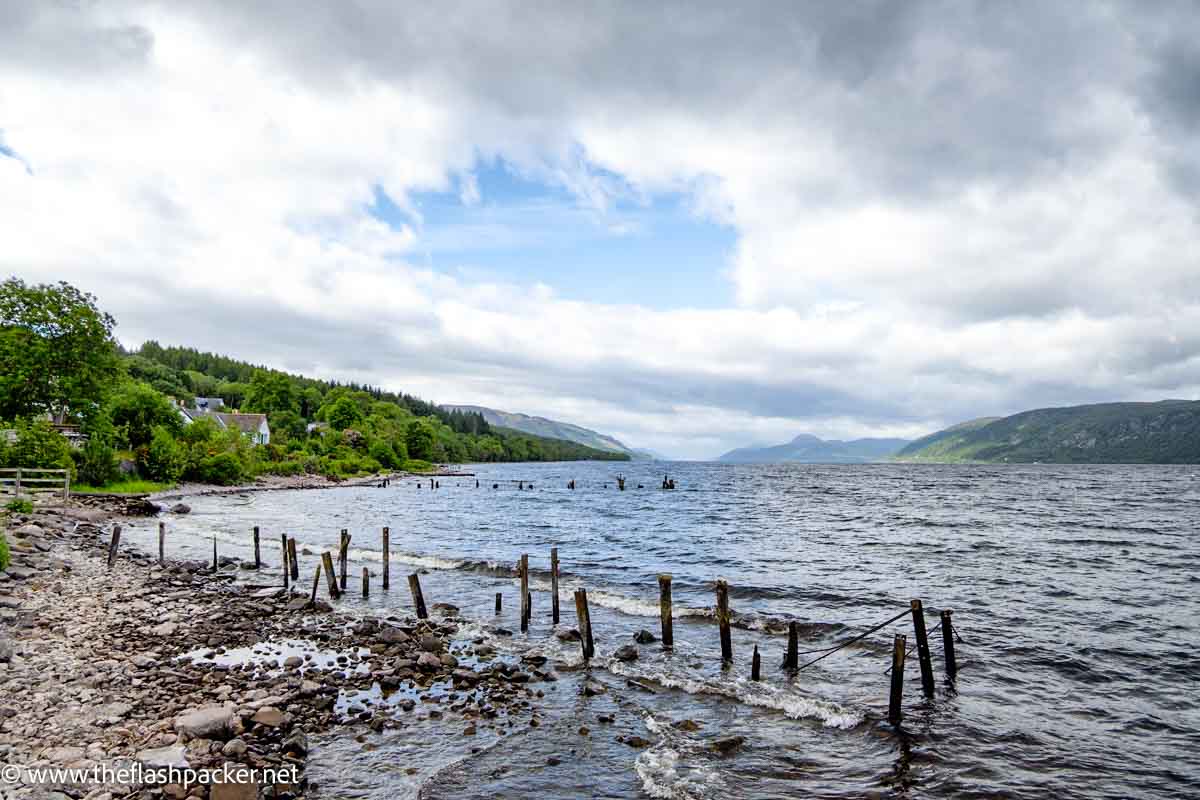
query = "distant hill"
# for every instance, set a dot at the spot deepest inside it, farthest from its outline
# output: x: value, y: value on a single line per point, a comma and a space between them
x: 553, y: 429
x: 809, y: 449
x: 1166, y: 432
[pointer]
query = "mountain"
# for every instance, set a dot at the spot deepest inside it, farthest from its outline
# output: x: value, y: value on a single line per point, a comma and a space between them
x: 809, y: 449
x: 553, y: 429
x: 1166, y: 432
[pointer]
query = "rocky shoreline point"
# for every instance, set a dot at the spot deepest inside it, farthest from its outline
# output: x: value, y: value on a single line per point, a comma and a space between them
x: 177, y: 665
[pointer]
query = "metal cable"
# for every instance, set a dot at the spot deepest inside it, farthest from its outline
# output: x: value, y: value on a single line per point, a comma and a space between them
x: 849, y: 642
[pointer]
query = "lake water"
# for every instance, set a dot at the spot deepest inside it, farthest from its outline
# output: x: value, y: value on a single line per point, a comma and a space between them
x: 1074, y: 590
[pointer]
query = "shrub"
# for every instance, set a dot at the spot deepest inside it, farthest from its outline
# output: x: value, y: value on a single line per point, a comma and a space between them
x: 39, y: 445
x: 96, y: 462
x: 223, y: 469
x: 4, y: 558
x: 19, y: 505
x: 382, y: 452
x: 163, y: 459
x: 136, y: 409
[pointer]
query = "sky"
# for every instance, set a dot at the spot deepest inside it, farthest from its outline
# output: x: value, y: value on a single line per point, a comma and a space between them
x: 694, y: 226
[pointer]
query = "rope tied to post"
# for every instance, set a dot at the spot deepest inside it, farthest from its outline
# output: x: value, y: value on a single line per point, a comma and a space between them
x: 857, y: 638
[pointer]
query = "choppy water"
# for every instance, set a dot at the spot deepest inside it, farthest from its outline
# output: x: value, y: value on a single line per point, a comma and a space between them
x: 1074, y: 590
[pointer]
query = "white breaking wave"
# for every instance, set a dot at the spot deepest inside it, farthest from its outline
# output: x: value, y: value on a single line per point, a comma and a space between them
x: 762, y: 695
x: 626, y: 605
x: 399, y: 556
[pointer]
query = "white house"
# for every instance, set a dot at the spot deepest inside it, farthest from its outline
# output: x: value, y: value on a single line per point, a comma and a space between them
x: 253, y: 425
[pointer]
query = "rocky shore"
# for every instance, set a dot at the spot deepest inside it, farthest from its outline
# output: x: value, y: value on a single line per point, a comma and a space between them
x: 178, y: 665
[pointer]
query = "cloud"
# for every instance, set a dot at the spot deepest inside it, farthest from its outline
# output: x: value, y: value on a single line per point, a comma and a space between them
x: 942, y: 209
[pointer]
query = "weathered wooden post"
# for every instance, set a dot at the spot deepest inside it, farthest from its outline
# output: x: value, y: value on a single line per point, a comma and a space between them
x: 366, y: 586
x: 948, y: 644
x: 498, y: 602
x: 554, y: 584
x: 895, y: 712
x: 723, y: 621
x: 343, y: 557
x: 387, y: 557
x: 414, y: 586
x: 162, y: 542
x: 756, y: 666
x: 312, y: 600
x: 216, y: 566
x: 283, y: 552
x: 257, y: 552
x: 791, y: 661
x: 294, y: 560
x: 524, y: 570
x: 112, y: 546
x: 664, y: 611
x: 330, y: 576
x: 583, y: 617
x: 918, y: 616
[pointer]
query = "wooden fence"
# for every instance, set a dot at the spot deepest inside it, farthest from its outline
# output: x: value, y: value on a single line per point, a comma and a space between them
x: 19, y: 481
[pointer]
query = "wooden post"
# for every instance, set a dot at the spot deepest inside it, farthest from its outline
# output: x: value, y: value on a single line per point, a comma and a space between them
x: 330, y: 577
x: 387, y: 556
x: 524, y: 570
x: 895, y: 712
x: 583, y: 617
x: 67, y: 485
x: 215, y: 565
x: 112, y: 547
x: 283, y: 553
x: 791, y: 661
x: 918, y: 615
x: 18, y: 488
x: 498, y: 602
x: 366, y: 582
x: 664, y: 611
x: 756, y: 666
x: 312, y: 600
x: 162, y: 540
x: 257, y: 552
x: 414, y: 585
x: 343, y: 557
x: 948, y: 644
x: 554, y: 584
x: 723, y: 621
x: 295, y: 562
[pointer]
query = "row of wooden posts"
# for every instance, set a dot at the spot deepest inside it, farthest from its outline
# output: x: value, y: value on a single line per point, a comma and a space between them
x: 337, y: 587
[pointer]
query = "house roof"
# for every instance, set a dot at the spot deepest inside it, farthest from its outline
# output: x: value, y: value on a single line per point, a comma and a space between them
x: 246, y: 423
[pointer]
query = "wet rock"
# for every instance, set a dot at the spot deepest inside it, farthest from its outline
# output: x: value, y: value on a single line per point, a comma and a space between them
x: 298, y: 603
x: 292, y: 662
x: 29, y: 530
x: 6, y: 650
x: 569, y: 635
x: 644, y: 637
x: 234, y: 748
x: 393, y: 635
x: 626, y: 652
x: 686, y: 725
x: 449, y: 660
x: 209, y: 722
x: 428, y: 662
x: 296, y: 743
x: 181, y: 508
x: 431, y: 643
x: 728, y: 744
x: 165, y: 629
x: 634, y: 741
x: 593, y: 688
x: 233, y: 791
x: 271, y: 717
x: 445, y: 609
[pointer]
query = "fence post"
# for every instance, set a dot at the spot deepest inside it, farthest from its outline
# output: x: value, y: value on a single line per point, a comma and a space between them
x: 387, y: 555
x: 895, y: 712
x: 162, y: 537
x: 366, y: 586
x: 498, y: 602
x: 67, y: 485
x: 554, y: 584
x: 664, y: 611
x: 791, y: 661
x: 18, y: 489
x: 330, y: 576
x: 414, y: 586
x: 283, y: 552
x: 343, y: 557
x: 756, y: 666
x: 948, y: 644
x: 524, y: 569
x: 583, y: 617
x: 112, y: 547
x: 918, y: 615
x: 294, y: 559
x: 723, y: 621
x: 216, y: 567
x: 312, y: 600
x: 257, y: 553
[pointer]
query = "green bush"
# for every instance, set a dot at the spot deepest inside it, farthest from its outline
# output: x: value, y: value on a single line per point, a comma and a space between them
x: 163, y: 459
x: 223, y: 469
x: 38, y: 445
x: 136, y: 410
x: 4, y: 557
x: 382, y: 452
x: 96, y: 462
x: 19, y: 505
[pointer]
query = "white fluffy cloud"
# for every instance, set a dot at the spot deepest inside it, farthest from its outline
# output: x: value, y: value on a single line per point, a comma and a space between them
x: 942, y: 210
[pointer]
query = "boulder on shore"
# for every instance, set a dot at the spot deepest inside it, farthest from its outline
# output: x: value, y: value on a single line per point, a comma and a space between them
x: 208, y: 722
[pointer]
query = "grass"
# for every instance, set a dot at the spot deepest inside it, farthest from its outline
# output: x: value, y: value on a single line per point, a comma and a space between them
x: 417, y: 465
x: 123, y: 487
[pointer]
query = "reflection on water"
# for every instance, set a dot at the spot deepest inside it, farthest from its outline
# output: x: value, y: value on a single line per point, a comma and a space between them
x: 1074, y: 589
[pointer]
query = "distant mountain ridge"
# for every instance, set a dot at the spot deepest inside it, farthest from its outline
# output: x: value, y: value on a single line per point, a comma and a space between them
x: 541, y: 426
x: 1165, y: 432
x: 809, y: 449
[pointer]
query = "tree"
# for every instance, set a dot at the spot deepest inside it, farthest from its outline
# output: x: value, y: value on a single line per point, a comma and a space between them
x: 420, y: 440
x: 136, y: 408
x: 57, y: 353
x: 344, y: 413
x: 271, y: 392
